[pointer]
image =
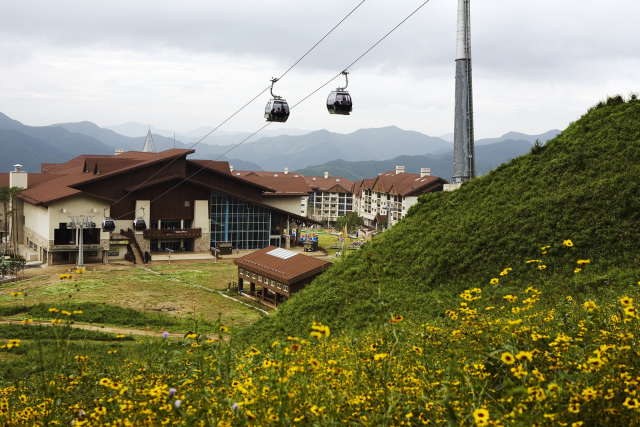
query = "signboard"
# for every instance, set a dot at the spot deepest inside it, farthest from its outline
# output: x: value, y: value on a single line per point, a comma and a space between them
x: 115, y: 253
x: 119, y: 242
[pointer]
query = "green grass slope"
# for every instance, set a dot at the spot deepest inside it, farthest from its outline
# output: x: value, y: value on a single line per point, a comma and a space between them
x: 582, y: 185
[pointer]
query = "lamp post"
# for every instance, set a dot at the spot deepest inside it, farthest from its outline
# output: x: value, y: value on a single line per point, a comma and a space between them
x: 79, y: 222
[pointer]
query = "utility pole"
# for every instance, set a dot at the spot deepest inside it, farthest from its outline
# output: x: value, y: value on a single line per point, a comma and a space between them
x: 390, y: 211
x: 463, y: 140
x: 80, y: 222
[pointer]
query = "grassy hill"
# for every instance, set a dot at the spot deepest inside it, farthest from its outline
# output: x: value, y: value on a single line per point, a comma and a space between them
x: 583, y: 186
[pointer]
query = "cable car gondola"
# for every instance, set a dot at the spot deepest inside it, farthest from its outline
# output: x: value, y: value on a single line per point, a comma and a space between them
x: 108, y: 224
x: 139, y: 224
x: 339, y: 100
x: 277, y: 109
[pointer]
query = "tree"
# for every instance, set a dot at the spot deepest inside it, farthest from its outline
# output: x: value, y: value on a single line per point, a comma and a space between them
x: 4, y: 201
x: 352, y: 221
x: 7, y: 199
x: 382, y: 225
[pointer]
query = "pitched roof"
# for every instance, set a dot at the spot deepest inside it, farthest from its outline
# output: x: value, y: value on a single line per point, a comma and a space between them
x: 58, y: 182
x: 223, y: 168
x: 283, y: 185
x: 405, y: 184
x: 289, y: 269
x: 329, y: 185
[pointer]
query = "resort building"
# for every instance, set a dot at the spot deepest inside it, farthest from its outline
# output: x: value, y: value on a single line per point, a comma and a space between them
x: 274, y: 274
x: 322, y: 198
x: 329, y: 197
x: 390, y: 195
x: 188, y: 205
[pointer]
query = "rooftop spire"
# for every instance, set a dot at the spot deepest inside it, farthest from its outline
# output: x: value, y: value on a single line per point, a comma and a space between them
x: 149, y: 147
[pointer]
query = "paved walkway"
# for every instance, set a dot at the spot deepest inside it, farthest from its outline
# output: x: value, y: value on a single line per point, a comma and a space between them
x: 111, y: 329
x: 180, y: 256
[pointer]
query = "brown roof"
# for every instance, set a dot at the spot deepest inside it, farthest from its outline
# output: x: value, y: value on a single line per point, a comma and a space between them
x: 293, y: 217
x: 223, y: 168
x: 379, y: 218
x: 405, y: 184
x: 289, y: 184
x: 288, y: 271
x: 57, y: 183
x: 330, y: 185
x: 32, y: 179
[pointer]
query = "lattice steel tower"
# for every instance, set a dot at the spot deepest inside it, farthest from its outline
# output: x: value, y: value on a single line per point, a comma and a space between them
x: 463, y: 151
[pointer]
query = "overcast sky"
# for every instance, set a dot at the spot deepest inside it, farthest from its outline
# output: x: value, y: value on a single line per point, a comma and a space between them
x: 181, y: 65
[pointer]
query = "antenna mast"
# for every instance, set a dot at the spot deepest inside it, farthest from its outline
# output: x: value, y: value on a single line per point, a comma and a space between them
x: 463, y: 140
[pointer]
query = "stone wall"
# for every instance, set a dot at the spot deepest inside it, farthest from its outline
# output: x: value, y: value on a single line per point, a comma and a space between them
x: 202, y: 244
x: 42, y: 243
x: 145, y: 244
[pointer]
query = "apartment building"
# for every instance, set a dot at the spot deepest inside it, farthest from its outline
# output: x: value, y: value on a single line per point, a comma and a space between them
x: 390, y: 195
x: 318, y: 197
x: 290, y: 191
x: 330, y: 197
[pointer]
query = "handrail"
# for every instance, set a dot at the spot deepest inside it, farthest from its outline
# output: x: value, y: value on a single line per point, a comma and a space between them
x: 132, y: 238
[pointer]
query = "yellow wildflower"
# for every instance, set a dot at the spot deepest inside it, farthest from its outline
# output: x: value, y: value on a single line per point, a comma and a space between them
x: 508, y: 358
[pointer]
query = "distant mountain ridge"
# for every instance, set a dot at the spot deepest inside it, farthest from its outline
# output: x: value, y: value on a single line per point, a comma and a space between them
x: 487, y: 157
x: 63, y: 141
x: 219, y: 137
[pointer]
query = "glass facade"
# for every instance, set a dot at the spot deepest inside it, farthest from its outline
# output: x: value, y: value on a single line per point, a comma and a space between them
x: 244, y: 224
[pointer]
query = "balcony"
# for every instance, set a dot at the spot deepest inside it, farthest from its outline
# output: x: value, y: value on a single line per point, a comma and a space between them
x: 171, y: 233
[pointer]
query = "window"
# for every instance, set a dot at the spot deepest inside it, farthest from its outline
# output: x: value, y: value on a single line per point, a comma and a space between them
x: 273, y: 283
x: 278, y: 285
x: 259, y: 278
x: 187, y: 203
x: 253, y: 275
x: 241, y: 271
x: 286, y: 288
x: 245, y: 225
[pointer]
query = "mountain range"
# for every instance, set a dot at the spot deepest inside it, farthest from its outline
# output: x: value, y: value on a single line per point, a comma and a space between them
x: 347, y: 153
x: 487, y: 157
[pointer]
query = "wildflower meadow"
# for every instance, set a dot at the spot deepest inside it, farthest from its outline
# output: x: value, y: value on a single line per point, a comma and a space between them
x: 493, y: 359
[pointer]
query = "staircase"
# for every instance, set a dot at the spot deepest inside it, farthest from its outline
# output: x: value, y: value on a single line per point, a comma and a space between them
x: 134, y: 254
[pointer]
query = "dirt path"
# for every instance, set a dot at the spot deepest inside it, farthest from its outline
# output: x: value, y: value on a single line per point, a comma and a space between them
x: 111, y: 329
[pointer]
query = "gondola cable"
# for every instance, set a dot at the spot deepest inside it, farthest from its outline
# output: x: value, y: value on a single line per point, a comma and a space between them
x: 292, y: 107
x: 247, y: 104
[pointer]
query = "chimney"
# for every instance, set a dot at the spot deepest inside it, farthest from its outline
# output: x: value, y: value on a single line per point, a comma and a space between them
x: 399, y: 169
x: 18, y: 177
x: 326, y: 175
x: 231, y: 168
x: 286, y: 171
x: 425, y: 172
x: 119, y: 151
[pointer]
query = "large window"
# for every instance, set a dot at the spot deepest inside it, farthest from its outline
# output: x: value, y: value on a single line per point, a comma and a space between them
x: 242, y: 223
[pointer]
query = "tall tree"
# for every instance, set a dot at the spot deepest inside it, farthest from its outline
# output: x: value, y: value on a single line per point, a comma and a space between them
x: 4, y: 201
x: 7, y: 199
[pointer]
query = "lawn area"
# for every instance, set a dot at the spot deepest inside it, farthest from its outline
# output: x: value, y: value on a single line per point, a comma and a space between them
x: 133, y: 288
x: 326, y: 239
